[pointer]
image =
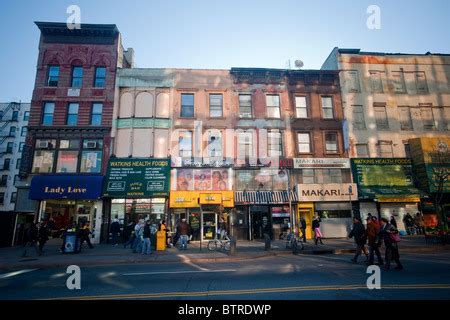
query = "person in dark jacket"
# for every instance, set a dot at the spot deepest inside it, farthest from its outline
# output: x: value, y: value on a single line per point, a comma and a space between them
x: 183, y: 229
x: 393, y: 222
x: 302, y: 227
x: 85, y: 233
x: 115, y: 230
x: 43, y: 236
x: 391, y: 252
x: 372, y: 230
x: 130, y: 234
x: 409, y: 223
x: 32, y: 237
x: 358, y: 233
x: 316, y: 228
x: 146, y: 247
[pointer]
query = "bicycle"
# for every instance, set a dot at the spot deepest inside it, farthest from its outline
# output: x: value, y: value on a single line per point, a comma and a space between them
x: 220, y: 244
x: 294, y: 242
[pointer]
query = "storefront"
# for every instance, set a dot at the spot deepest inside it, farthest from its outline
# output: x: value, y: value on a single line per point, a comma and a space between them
x: 68, y: 199
x: 385, y: 188
x: 138, y: 188
x: 333, y: 203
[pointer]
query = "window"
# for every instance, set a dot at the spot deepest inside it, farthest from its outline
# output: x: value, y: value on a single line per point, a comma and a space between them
x: 92, y: 156
x: 21, y: 146
x: 96, y: 115
x: 185, y: 144
x: 53, y: 76
x: 12, y: 131
x: 15, y: 116
x: 77, y: 77
x: 16, y: 178
x: 308, y: 176
x: 67, y: 161
x: 100, y: 76
x: 405, y: 118
x: 274, y: 143
x: 327, y: 107
x: 273, y: 106
x: 13, y: 197
x: 421, y: 83
x: 9, y: 147
x: 4, y: 180
x: 407, y: 150
x: 245, y: 144
x: 245, y: 106
x: 18, y: 163
x: 359, y: 122
x: 362, y: 150
x: 43, y: 156
x: 398, y: 82
x: 304, y: 143
x: 26, y: 115
x: 215, y: 143
x: 215, y: 105
x: 49, y: 109
x: 72, y: 115
x: 385, y: 149
x: 353, y: 81
x: 187, y: 105
x: 328, y: 175
x: 376, y: 83
x: 301, y: 109
x: 2, y: 198
x: 331, y: 144
x: 24, y: 131
x: 381, y: 117
x: 427, y: 118
x: 6, y: 164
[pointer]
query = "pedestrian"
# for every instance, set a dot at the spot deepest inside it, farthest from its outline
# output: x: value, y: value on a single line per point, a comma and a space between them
x: 183, y: 229
x: 115, y: 230
x: 163, y: 227
x: 388, y: 234
x: 409, y: 223
x: 393, y: 222
x: 177, y: 233
x: 372, y: 230
x: 31, y: 239
x: 86, y: 235
x: 146, y: 246
x: 129, y: 231
x: 420, y: 223
x: 316, y: 228
x: 222, y: 231
x: 302, y: 227
x: 42, y: 236
x: 359, y: 234
x: 138, y: 233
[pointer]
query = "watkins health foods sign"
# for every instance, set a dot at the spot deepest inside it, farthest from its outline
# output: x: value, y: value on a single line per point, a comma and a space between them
x: 137, y: 178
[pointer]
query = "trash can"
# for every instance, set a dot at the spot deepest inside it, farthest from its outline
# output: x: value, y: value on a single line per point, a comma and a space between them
x: 71, y: 242
x: 161, y: 241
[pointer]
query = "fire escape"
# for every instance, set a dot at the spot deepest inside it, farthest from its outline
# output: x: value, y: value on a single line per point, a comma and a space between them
x: 7, y: 134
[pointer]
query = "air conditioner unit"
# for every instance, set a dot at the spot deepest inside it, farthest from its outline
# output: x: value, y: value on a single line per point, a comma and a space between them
x: 43, y: 144
x: 91, y: 145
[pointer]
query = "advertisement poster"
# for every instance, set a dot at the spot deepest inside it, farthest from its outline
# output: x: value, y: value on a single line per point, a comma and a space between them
x: 201, y: 179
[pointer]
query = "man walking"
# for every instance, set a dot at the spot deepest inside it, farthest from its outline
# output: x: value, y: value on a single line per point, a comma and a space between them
x: 115, y: 230
x: 359, y: 234
x: 31, y: 239
x: 85, y: 235
x: 43, y: 236
x: 302, y: 227
x: 146, y: 247
x: 373, y: 228
x: 183, y: 229
x: 387, y: 232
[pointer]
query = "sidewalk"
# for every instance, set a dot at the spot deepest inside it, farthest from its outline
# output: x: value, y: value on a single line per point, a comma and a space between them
x: 104, y: 254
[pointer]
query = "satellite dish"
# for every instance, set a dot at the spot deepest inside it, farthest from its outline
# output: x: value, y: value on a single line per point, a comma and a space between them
x: 298, y: 63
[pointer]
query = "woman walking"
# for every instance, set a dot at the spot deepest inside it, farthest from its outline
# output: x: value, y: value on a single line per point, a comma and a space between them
x: 316, y: 228
x: 389, y: 235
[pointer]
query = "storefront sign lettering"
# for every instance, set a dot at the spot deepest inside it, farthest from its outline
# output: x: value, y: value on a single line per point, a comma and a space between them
x: 327, y: 192
x: 300, y: 163
x: 64, y: 190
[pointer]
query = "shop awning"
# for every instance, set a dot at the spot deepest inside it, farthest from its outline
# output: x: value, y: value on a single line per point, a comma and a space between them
x: 264, y: 197
x: 390, y: 194
x: 66, y: 187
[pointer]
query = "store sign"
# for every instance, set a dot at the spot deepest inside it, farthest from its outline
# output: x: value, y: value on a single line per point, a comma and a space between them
x: 210, y: 198
x: 65, y: 187
x: 137, y: 178
x: 311, y: 163
x: 327, y: 192
x: 382, y: 172
x: 193, y: 199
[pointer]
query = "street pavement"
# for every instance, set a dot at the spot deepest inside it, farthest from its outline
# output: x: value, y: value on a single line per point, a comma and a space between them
x: 319, y: 272
x: 283, y: 277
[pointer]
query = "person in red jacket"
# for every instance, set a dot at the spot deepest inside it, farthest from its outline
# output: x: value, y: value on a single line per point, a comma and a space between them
x: 372, y: 230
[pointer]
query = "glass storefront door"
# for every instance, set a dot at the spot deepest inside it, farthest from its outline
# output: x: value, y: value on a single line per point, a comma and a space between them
x: 209, y: 225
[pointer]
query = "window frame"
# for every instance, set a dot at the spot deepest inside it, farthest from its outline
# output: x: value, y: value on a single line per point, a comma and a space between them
x: 363, y: 125
x: 26, y: 115
x: 96, y: 78
x: 250, y: 116
x: 385, y: 143
x: 191, y: 150
x: 269, y: 144
x: 378, y: 124
x: 311, y: 148
x: 372, y: 87
x: 333, y: 116
x: 277, y: 108
x: 335, y: 133
x: 216, y: 109
x: 367, y: 149
x: 215, y: 134
x: 96, y: 114
x: 424, y: 90
x: 181, y: 105
x: 410, y: 126
x: 74, y: 78
x: 247, y: 146
x: 305, y: 108
x: 49, y: 77
x: 46, y: 113
x: 69, y: 114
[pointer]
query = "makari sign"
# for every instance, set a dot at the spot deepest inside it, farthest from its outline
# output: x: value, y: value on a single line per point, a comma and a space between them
x: 137, y: 178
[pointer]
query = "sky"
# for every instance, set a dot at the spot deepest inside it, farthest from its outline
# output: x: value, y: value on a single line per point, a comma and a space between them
x: 220, y: 34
